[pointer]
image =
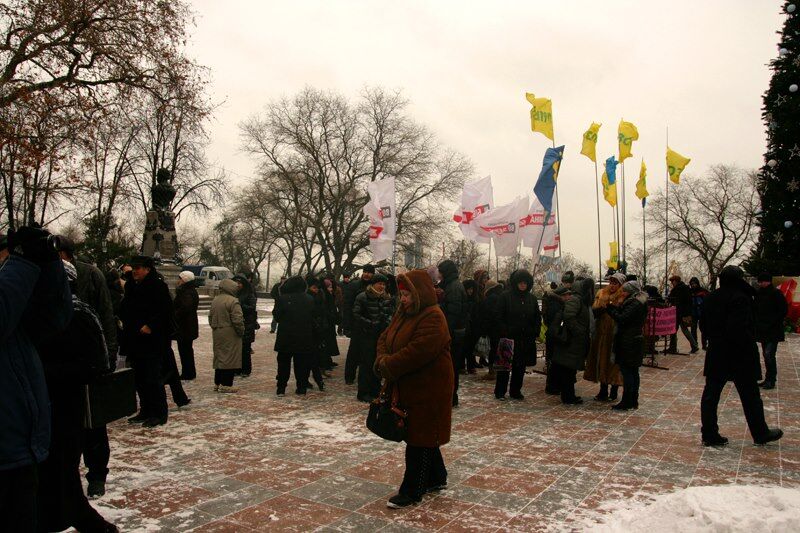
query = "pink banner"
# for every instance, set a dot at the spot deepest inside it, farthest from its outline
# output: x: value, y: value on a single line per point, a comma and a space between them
x: 662, y: 321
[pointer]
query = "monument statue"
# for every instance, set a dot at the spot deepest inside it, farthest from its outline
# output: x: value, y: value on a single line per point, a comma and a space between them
x: 160, y: 239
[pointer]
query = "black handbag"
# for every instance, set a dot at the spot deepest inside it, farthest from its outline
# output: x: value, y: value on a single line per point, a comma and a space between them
x: 110, y: 397
x: 386, y: 419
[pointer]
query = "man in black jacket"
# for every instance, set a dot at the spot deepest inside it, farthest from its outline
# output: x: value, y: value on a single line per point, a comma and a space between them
x: 275, y: 292
x: 146, y: 314
x: 771, y: 309
x: 372, y: 312
x: 456, y: 311
x: 295, y: 339
x: 186, y: 303
x: 351, y: 290
x: 732, y: 355
x: 91, y: 288
x: 681, y: 297
x: 249, y: 303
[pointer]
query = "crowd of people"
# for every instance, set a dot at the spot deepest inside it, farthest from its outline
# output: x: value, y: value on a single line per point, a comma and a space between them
x: 64, y: 321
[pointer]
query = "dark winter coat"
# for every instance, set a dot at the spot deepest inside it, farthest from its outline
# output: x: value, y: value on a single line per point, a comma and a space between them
x: 414, y: 356
x: 146, y: 303
x: 472, y: 304
x: 728, y: 323
x: 294, y: 311
x: 185, y: 306
x: 771, y: 309
x: 570, y: 329
x: 698, y: 295
x: 248, y: 302
x: 91, y: 288
x: 487, y: 311
x: 372, y: 312
x: 629, y: 340
x: 35, y: 302
x: 455, y: 306
x: 681, y: 297
x: 518, y: 316
x: 349, y: 292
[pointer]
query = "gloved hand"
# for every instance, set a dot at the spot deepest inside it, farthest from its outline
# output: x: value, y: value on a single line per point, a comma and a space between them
x: 33, y: 244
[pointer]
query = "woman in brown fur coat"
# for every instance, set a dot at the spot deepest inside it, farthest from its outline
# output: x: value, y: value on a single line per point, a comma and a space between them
x: 599, y: 366
x: 414, y: 356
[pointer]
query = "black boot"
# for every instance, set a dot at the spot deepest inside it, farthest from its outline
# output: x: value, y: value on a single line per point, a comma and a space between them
x: 614, y: 391
x: 602, y: 396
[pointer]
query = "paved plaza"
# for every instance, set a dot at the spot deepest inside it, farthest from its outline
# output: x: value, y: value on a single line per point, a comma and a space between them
x: 253, y: 461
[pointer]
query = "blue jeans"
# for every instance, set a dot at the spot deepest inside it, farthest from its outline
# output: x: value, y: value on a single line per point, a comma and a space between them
x: 770, y: 360
x: 630, y: 385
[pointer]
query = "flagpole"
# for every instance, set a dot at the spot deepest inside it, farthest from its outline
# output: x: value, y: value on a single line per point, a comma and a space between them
x: 558, y: 209
x: 622, y: 244
x: 489, y: 260
x: 666, y: 223
x: 644, y: 245
x: 597, y: 202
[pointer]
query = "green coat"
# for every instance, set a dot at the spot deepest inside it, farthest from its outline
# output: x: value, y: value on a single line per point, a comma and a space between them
x: 227, y: 325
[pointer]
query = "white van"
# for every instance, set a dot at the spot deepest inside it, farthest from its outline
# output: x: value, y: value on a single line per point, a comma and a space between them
x: 211, y: 276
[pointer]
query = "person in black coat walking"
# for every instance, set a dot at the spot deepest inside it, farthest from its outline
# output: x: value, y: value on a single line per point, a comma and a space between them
x: 372, y: 313
x: 295, y: 338
x: 185, y: 305
x: 518, y: 318
x: 771, y: 309
x: 248, y: 301
x: 488, y: 323
x: 146, y: 314
x: 471, y: 336
x: 732, y: 355
x: 456, y: 311
x: 274, y: 293
x: 350, y: 291
x: 681, y: 297
x: 70, y: 359
x: 630, y: 318
x: 570, y: 331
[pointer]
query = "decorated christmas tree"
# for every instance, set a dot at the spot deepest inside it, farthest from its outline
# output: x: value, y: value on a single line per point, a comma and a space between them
x: 778, y: 250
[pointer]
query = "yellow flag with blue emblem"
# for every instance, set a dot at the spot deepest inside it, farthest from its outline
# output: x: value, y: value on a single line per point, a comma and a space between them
x: 641, y: 185
x: 610, y: 181
x: 589, y: 147
x: 613, y: 261
x: 541, y: 115
x: 675, y: 165
x: 626, y: 134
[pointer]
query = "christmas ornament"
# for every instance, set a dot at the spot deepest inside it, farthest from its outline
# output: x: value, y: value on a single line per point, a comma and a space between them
x: 771, y: 163
x: 794, y: 151
x: 793, y: 185
x: 796, y: 61
x: 778, y: 238
x: 788, y: 224
x: 780, y: 100
x: 793, y: 88
x: 782, y: 52
x: 790, y: 8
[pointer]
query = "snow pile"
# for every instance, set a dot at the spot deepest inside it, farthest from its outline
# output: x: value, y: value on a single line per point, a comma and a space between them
x: 718, y: 509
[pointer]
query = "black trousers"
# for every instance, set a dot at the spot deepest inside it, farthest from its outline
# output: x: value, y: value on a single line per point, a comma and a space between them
x: 173, y: 379
x: 247, y: 359
x: 565, y: 381
x: 550, y: 384
x: 630, y: 385
x: 96, y: 453
x: 351, y: 360
x: 224, y: 376
x: 456, y: 345
x: 369, y: 384
x: 749, y: 394
x: 186, y: 353
x: 424, y: 469
x: 150, y: 385
x: 19, y: 498
x: 301, y: 367
x: 468, y: 353
x: 501, y: 383
x: 312, y: 367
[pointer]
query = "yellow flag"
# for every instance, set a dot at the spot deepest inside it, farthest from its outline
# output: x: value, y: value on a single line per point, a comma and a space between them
x: 541, y: 115
x: 626, y: 134
x: 589, y: 148
x: 609, y: 190
x: 675, y: 165
x: 641, y: 185
x: 613, y: 262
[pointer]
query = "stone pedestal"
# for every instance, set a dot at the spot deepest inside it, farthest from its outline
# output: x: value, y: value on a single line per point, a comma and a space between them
x: 160, y: 240
x: 169, y: 271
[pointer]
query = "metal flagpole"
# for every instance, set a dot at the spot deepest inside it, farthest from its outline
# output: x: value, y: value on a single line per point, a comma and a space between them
x: 644, y: 246
x: 666, y: 224
x: 558, y: 209
x: 597, y: 202
x: 622, y: 243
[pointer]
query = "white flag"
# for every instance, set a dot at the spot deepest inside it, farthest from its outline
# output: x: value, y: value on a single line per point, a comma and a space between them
x: 476, y: 199
x: 536, y: 233
x: 382, y: 211
x: 502, y: 225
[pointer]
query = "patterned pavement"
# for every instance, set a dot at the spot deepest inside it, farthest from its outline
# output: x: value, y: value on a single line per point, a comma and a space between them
x: 255, y: 462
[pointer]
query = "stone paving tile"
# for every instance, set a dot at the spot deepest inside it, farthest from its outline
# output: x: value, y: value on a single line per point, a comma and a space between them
x: 255, y: 462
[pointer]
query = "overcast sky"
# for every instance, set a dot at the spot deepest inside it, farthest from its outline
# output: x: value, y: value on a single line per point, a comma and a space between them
x: 699, y: 67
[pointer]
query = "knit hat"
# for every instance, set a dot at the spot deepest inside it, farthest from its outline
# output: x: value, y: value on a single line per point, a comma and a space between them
x: 765, y: 276
x: 379, y: 278
x: 568, y: 277
x: 632, y: 287
x: 70, y: 270
x: 619, y: 277
x: 186, y: 276
x: 368, y: 268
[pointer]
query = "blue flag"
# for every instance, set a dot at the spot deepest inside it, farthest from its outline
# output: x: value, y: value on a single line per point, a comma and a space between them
x: 546, y: 183
x: 611, y: 170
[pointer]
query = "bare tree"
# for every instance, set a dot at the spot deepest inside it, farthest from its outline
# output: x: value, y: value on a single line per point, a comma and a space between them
x: 711, y: 218
x: 318, y: 152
